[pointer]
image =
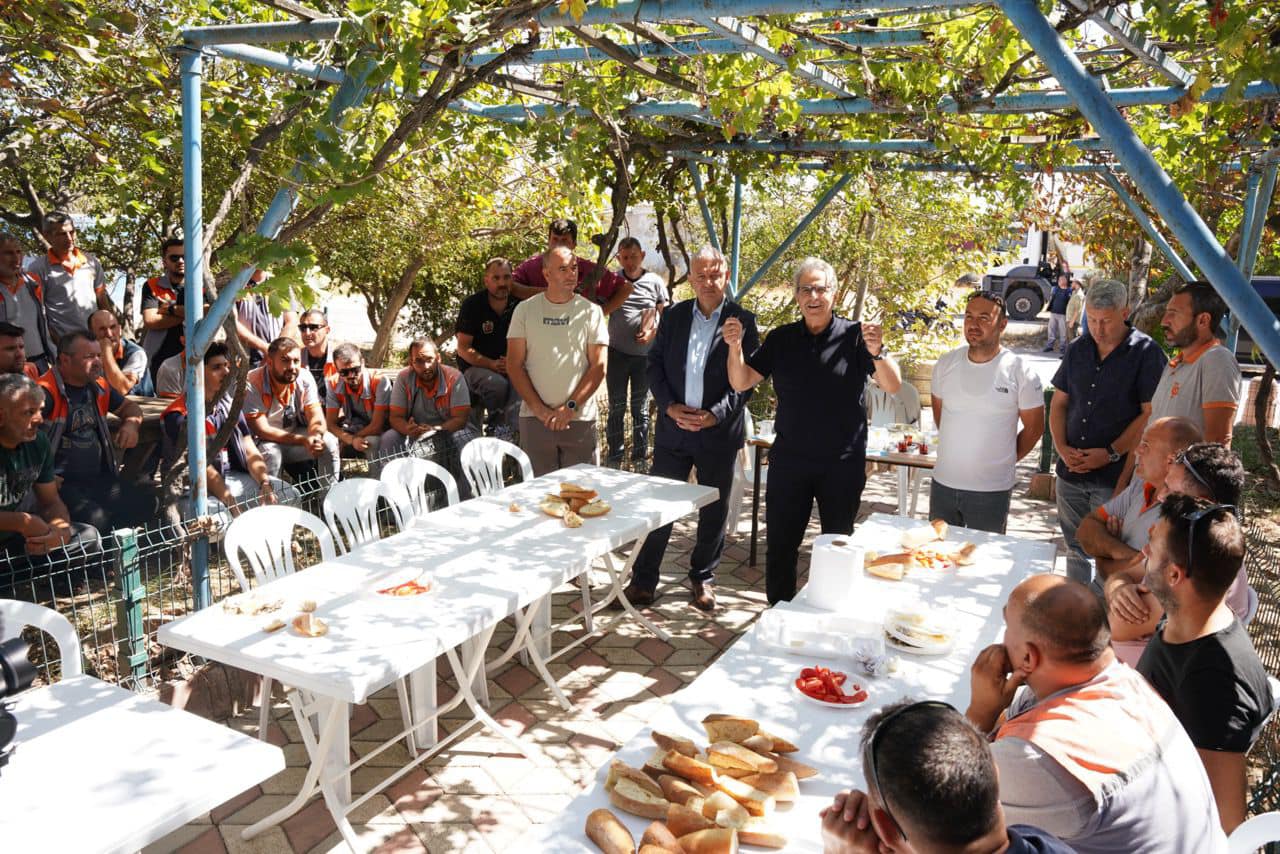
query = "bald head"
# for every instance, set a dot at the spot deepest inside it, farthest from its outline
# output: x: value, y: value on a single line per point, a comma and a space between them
x: 1177, y: 432
x: 1065, y: 618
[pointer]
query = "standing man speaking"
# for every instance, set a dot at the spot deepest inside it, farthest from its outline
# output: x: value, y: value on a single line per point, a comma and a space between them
x: 819, y: 366
x: 980, y: 392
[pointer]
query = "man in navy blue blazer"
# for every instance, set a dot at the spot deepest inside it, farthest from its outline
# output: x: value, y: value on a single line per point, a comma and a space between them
x: 701, y: 421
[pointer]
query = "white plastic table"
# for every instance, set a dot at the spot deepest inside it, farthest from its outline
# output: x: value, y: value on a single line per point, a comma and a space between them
x: 98, y: 768
x: 486, y: 563
x: 756, y: 680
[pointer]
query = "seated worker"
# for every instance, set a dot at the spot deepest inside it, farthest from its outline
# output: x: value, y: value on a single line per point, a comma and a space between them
x: 429, y: 411
x: 170, y: 377
x: 484, y: 318
x: 237, y: 475
x: 1201, y: 660
x: 124, y: 363
x: 33, y: 519
x: 931, y: 780
x: 1085, y: 748
x: 282, y: 405
x: 13, y: 352
x: 355, y: 403
x: 77, y: 400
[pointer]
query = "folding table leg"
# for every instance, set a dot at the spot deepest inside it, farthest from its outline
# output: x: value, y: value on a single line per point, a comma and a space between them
x: 422, y: 704
x: 917, y: 478
x: 542, y: 625
x: 616, y: 575
x: 904, y: 473
x: 466, y: 674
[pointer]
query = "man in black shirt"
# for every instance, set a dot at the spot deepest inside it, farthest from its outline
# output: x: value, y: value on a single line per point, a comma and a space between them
x: 1101, y: 401
x: 164, y: 308
x: 481, y: 330
x: 1202, y: 661
x: 819, y: 366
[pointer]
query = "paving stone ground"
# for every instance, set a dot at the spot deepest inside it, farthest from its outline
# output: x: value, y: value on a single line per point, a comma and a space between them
x: 481, y: 796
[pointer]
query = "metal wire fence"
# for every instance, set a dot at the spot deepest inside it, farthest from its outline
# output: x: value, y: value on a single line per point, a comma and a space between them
x: 1262, y: 563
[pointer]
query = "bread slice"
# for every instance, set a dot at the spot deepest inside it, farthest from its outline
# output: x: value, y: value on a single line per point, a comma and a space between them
x: 729, y: 728
x: 758, y: 832
x: 688, y: 767
x: 802, y: 771
x: 659, y: 836
x: 682, y: 820
x: 939, y: 527
x: 725, y: 811
x: 595, y: 508
x: 755, y: 801
x: 720, y: 840
x: 619, y: 770
x: 609, y: 834
x: 572, y: 520
x: 653, y: 765
x: 782, y: 785
x: 628, y: 796
x: 677, y: 790
x: 554, y: 507
x: 650, y: 848
x: 674, y: 742
x: 726, y: 754
x: 963, y: 556
x: 780, y: 745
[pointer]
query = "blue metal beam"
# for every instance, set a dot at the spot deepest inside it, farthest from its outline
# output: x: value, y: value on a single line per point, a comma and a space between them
x: 821, y: 205
x: 701, y: 194
x: 280, y: 62
x: 1132, y: 40
x: 191, y: 70
x: 284, y: 31
x: 838, y: 146
x: 1154, y: 183
x: 1261, y: 205
x: 628, y: 11
x: 702, y: 47
x: 1145, y: 223
x: 758, y: 43
x: 1029, y: 102
x: 735, y: 252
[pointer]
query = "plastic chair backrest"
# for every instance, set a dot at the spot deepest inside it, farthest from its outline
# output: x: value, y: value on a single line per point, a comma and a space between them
x: 406, y: 480
x: 15, y: 616
x: 265, y: 535
x: 482, y: 463
x: 351, y: 511
x: 884, y: 409
x: 1254, y: 833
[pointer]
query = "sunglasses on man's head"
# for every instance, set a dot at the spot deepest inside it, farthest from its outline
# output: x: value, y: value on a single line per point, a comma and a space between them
x: 1181, y: 459
x: 873, y: 773
x: 1192, y: 519
x: 990, y: 296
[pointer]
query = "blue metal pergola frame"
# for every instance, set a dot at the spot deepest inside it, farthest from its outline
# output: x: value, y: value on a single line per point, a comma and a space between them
x: 727, y: 32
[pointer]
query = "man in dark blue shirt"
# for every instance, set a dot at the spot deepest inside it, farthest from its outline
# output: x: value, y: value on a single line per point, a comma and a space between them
x: 819, y: 366
x: 1059, y: 297
x: 1101, y: 402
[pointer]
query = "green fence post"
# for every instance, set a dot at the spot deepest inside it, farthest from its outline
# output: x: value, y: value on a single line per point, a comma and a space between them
x: 1048, y: 457
x: 134, y: 654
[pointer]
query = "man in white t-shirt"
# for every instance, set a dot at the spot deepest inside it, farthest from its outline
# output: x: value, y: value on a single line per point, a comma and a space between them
x: 980, y: 393
x: 556, y: 361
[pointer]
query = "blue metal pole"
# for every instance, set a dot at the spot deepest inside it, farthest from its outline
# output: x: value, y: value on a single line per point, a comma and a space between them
x: 191, y: 68
x: 280, y: 62
x: 821, y: 205
x: 1144, y: 221
x: 698, y: 191
x: 351, y: 92
x: 1154, y: 183
x: 629, y: 11
x: 1262, y: 185
x: 279, y: 31
x: 735, y: 250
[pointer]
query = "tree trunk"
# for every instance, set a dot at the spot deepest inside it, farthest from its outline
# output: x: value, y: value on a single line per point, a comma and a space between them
x: 126, y: 304
x: 1265, y: 387
x: 391, y: 312
x: 1139, y: 269
x: 864, y: 281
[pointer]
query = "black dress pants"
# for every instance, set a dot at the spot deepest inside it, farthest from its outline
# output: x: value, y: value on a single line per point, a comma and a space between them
x: 715, y: 468
x: 794, y: 484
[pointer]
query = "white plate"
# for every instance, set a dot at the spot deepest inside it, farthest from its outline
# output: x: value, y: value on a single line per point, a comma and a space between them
x: 397, y: 580
x: 836, y: 707
x: 892, y: 642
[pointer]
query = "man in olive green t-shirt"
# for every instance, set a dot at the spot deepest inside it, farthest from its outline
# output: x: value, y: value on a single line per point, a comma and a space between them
x: 556, y: 360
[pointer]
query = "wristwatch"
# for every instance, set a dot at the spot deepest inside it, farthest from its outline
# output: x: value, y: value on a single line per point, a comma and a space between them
x: 571, y: 405
x: 878, y: 357
x: 1112, y: 454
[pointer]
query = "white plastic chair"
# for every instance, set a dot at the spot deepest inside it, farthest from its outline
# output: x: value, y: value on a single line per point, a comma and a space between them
x: 15, y: 616
x: 351, y: 511
x: 406, y: 481
x: 742, y: 473
x: 482, y: 463
x: 265, y: 536
x: 1254, y: 833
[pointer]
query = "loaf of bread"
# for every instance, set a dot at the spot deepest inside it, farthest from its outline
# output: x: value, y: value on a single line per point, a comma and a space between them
x: 729, y: 728
x: 758, y: 832
x: 802, y: 771
x: 682, y: 820
x: 755, y: 801
x: 726, y: 754
x: 689, y: 768
x: 674, y: 742
x: 719, y: 840
x: 609, y: 834
x: 633, y: 791
x: 677, y: 790
x: 725, y: 811
x: 782, y: 785
x: 658, y: 835
x: 780, y: 745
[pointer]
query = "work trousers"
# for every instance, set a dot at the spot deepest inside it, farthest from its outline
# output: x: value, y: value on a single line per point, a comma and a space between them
x: 967, y: 508
x: 549, y: 450
x: 715, y: 468
x: 1057, y: 333
x: 497, y: 397
x: 794, y: 484
x: 1075, y: 501
x: 279, y: 456
x: 623, y: 370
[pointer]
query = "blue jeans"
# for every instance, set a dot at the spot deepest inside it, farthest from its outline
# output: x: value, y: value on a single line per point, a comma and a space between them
x: 980, y: 511
x: 624, y: 369
x: 1075, y: 501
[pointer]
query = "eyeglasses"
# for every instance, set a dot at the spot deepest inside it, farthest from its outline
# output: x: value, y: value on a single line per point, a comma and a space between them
x: 874, y: 742
x: 1181, y: 459
x: 311, y: 327
x: 1192, y: 519
x: 174, y: 259
x: 813, y: 290
x: 349, y: 372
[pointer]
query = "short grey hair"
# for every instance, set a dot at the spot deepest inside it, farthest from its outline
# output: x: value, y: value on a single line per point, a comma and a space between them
x: 712, y: 255
x: 1107, y: 294
x: 808, y: 265
x: 348, y: 353
x: 16, y: 386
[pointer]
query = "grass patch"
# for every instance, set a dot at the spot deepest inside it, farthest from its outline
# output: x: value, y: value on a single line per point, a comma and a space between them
x: 1261, y: 499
